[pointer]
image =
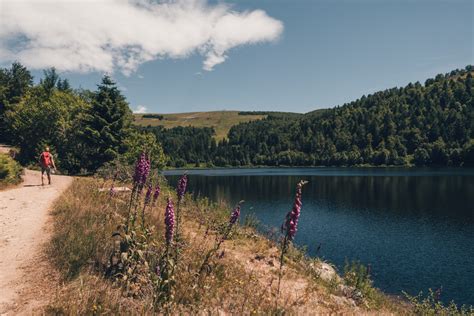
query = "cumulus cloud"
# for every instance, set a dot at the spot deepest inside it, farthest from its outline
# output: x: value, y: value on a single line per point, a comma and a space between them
x: 109, y: 35
x: 140, y: 109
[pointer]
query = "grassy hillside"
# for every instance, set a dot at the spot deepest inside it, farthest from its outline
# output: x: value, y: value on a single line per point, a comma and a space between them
x: 239, y: 277
x: 221, y: 121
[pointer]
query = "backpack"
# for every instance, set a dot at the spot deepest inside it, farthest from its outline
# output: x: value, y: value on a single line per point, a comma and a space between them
x: 45, y: 159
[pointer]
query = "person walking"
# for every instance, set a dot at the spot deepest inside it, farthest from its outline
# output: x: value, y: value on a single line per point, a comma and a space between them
x: 46, y: 162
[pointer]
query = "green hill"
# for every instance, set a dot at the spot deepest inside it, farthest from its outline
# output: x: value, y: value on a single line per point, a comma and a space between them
x: 430, y: 124
x: 221, y: 121
x: 419, y: 124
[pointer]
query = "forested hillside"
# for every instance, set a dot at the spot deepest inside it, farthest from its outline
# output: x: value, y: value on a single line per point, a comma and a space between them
x: 430, y: 124
x: 427, y: 124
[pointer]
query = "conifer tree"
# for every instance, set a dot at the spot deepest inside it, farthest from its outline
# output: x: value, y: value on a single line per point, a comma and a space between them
x: 106, y: 125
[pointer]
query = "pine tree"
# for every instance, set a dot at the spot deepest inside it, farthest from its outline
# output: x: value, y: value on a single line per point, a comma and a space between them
x: 49, y: 81
x: 63, y: 85
x: 106, y: 125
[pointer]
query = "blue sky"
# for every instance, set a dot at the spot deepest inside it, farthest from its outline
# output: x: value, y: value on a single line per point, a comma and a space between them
x: 329, y: 52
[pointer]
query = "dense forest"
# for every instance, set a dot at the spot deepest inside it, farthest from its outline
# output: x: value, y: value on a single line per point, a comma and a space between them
x: 430, y: 124
x: 84, y: 129
x: 184, y: 145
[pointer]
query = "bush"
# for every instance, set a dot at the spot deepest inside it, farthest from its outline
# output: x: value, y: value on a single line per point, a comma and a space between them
x: 357, y: 276
x: 10, y: 170
x: 431, y: 305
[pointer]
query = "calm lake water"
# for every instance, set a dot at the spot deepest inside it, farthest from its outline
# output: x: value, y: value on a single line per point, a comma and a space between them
x: 414, y: 226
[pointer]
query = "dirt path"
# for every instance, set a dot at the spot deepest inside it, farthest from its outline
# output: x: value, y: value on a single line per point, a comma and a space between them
x: 4, y: 149
x: 24, y: 214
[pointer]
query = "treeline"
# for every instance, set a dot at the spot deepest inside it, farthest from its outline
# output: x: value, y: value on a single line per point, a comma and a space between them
x: 271, y: 114
x: 423, y: 125
x: 84, y: 129
x: 153, y: 116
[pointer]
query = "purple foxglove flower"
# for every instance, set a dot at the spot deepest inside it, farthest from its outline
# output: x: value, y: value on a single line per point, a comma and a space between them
x: 235, y: 215
x: 181, y: 188
x: 142, y: 169
x: 169, y: 221
x: 148, y: 195
x: 156, y: 194
x: 112, y: 187
x: 292, y: 217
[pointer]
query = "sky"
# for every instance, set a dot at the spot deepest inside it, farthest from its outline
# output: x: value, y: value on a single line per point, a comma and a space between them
x: 265, y: 55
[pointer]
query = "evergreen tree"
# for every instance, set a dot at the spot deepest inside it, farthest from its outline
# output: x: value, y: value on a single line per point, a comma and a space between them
x: 106, y: 125
x: 63, y: 85
x: 51, y: 78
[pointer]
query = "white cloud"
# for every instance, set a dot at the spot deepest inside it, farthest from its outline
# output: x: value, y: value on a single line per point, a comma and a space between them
x: 140, y: 109
x: 108, y: 35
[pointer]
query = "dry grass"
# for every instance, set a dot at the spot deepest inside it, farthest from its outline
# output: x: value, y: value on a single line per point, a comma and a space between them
x: 241, y: 279
x: 221, y: 121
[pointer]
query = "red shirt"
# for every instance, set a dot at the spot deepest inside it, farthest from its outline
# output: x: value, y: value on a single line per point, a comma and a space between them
x: 45, y: 159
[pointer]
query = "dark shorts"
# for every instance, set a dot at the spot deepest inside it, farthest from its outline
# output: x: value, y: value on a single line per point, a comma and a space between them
x: 46, y: 169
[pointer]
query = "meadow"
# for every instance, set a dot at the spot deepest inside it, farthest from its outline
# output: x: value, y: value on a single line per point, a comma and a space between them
x: 221, y: 121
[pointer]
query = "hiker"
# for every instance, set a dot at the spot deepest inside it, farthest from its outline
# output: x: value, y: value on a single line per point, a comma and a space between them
x: 46, y: 162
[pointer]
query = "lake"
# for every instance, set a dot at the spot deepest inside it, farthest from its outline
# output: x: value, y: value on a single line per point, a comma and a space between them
x: 415, y: 227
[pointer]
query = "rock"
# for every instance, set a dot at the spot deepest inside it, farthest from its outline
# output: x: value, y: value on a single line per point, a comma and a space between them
x: 343, y: 301
x: 116, y: 189
x: 325, y: 271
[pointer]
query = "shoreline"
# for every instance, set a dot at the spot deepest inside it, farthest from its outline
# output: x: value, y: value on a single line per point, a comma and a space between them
x: 434, y: 169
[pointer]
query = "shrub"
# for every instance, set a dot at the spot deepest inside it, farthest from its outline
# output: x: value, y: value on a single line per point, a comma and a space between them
x: 10, y: 171
x: 431, y: 305
x: 357, y: 276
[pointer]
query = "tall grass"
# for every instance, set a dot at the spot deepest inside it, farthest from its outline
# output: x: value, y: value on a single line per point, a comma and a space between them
x: 82, y: 247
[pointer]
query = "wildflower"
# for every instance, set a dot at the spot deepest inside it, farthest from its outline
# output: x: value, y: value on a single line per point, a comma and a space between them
x: 148, y: 195
x: 221, y: 255
x: 156, y: 194
x: 437, y: 293
x: 169, y: 221
x: 112, y: 187
x: 142, y: 169
x: 219, y: 240
x: 181, y: 189
x: 291, y: 224
x: 235, y: 215
x: 112, y: 191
